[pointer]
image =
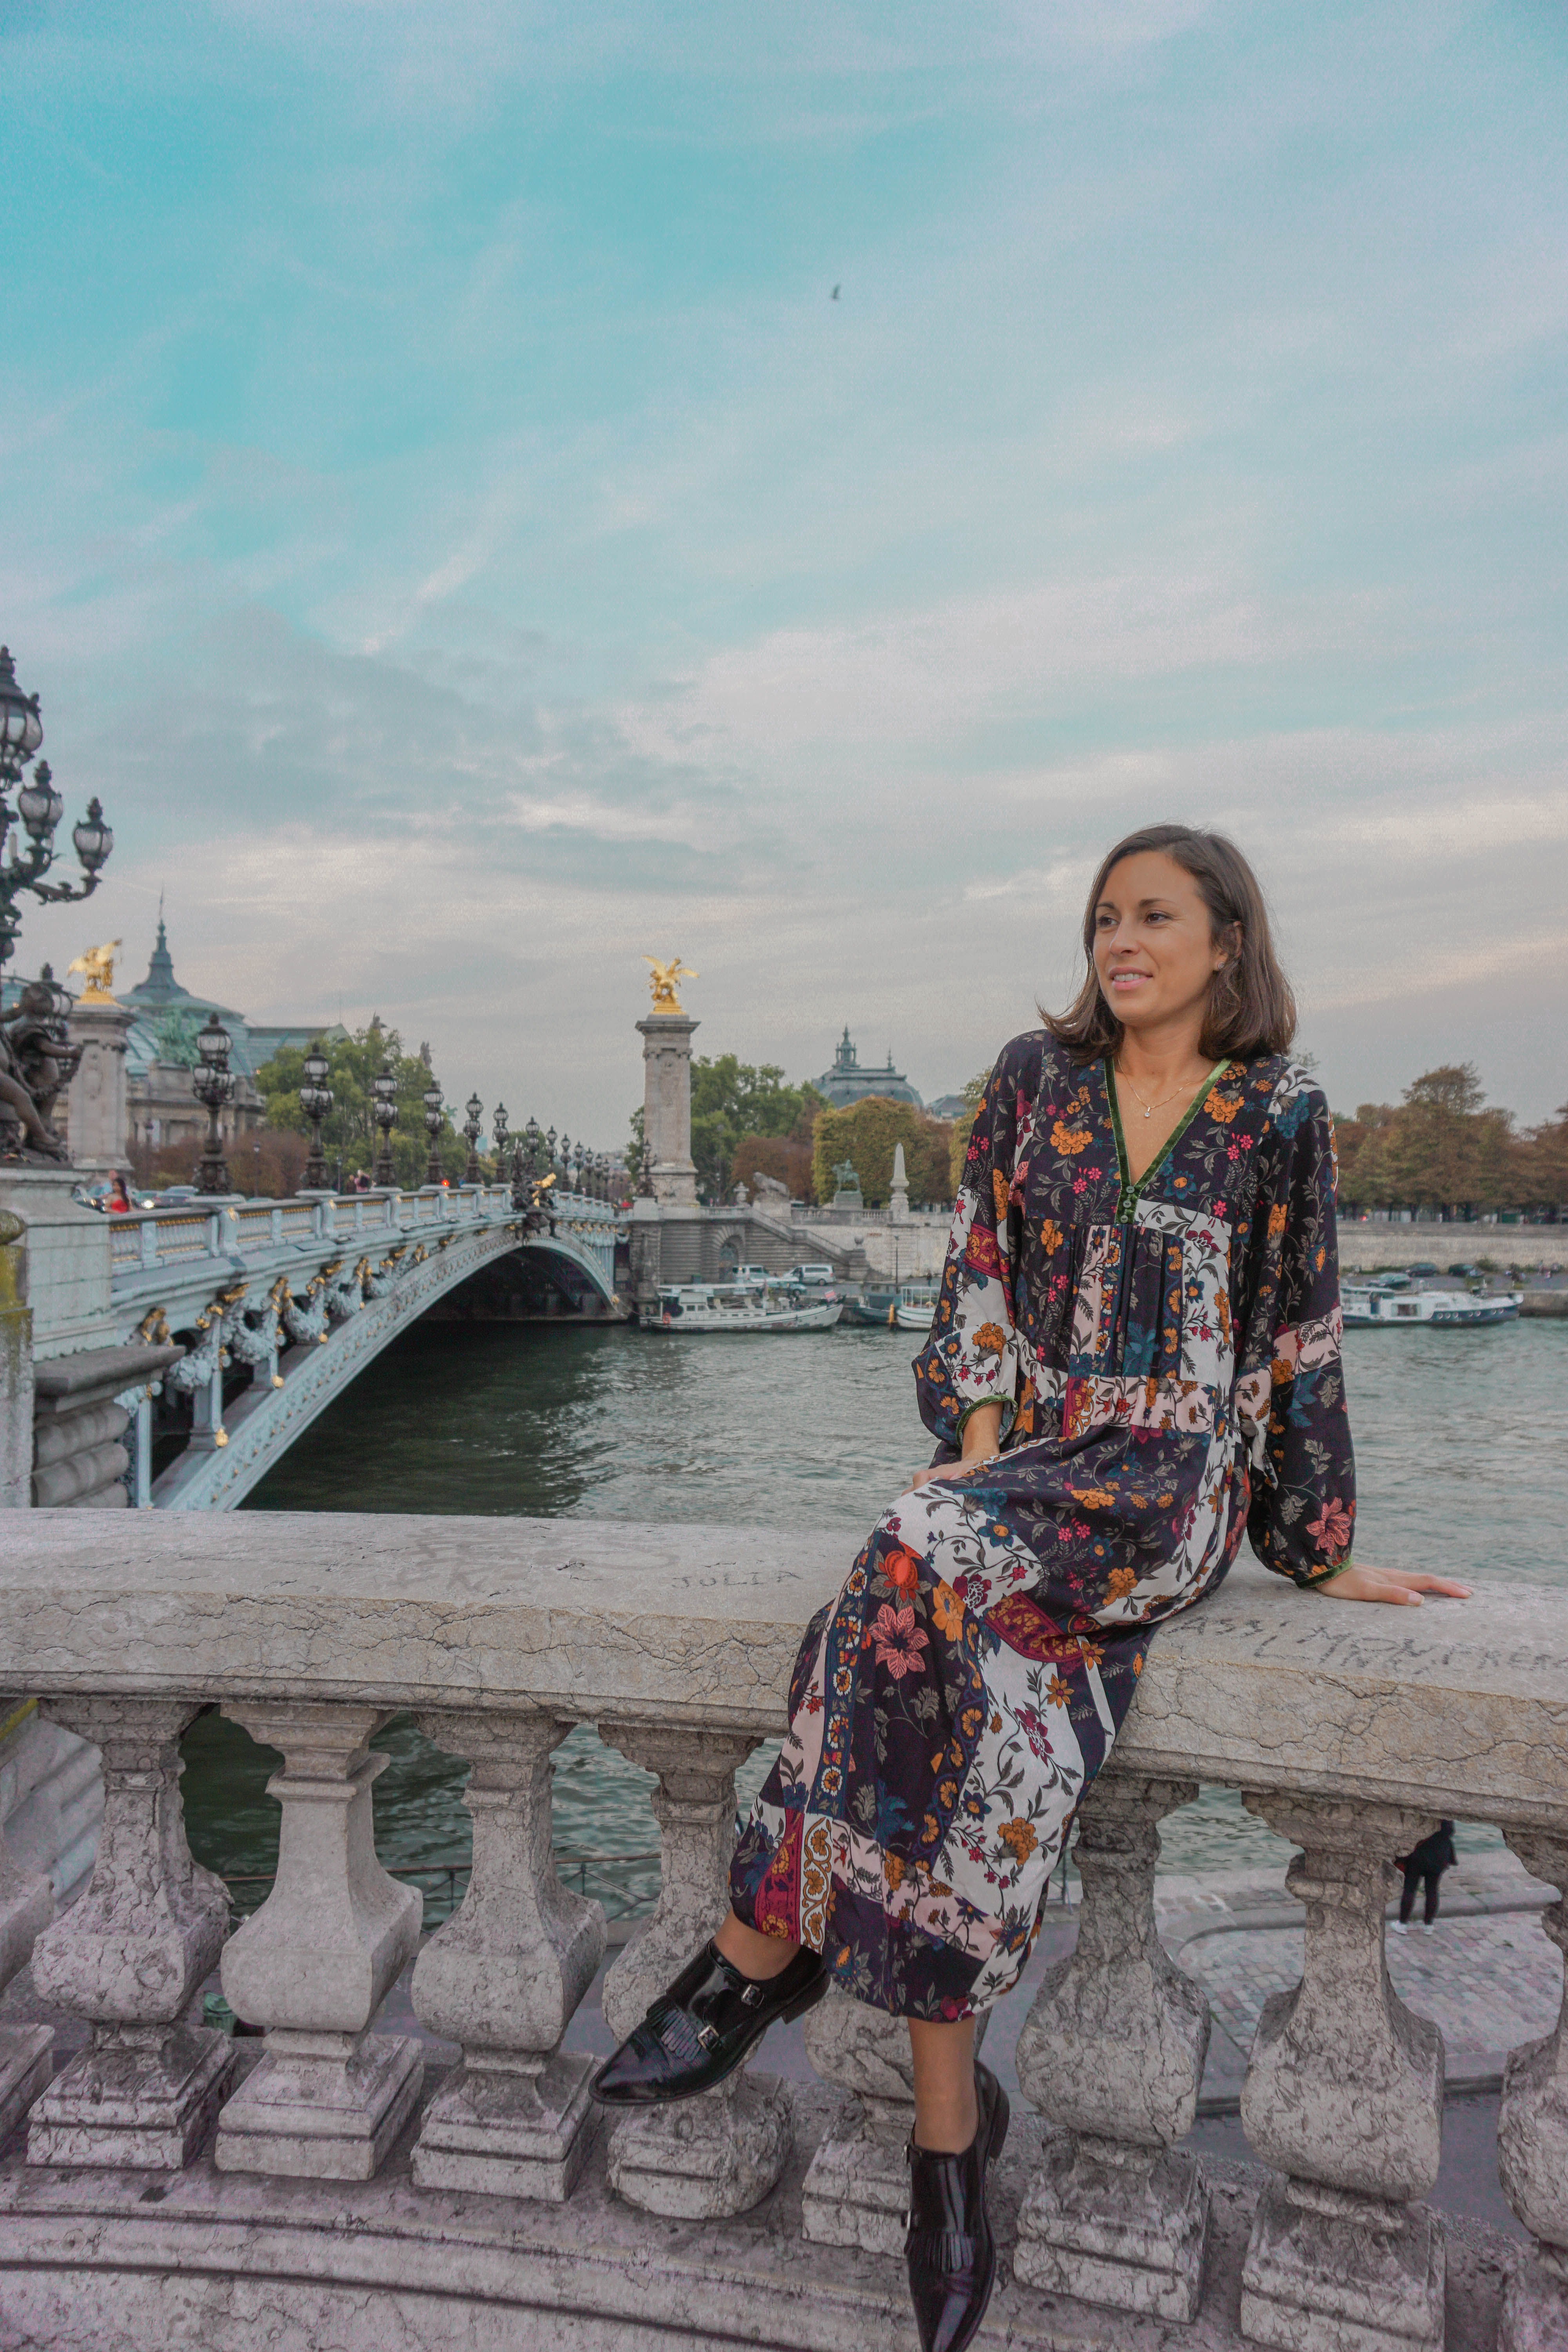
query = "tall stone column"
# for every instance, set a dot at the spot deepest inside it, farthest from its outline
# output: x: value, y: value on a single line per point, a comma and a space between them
x: 1532, y: 2140
x: 129, y: 1956
x: 504, y: 1976
x: 721, y: 2153
x: 314, y: 1964
x: 666, y: 1106
x: 26, y: 1907
x: 98, y: 1112
x: 1113, y: 2053
x: 1344, y: 2094
x: 17, y: 1391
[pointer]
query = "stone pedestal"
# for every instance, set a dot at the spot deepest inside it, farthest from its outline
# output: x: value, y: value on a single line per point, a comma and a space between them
x: 130, y: 1955
x: 15, y: 1368
x: 314, y: 1964
x: 1343, y: 2093
x: 504, y: 1976
x: 98, y: 1116
x: 1113, y: 2053
x: 666, y: 1106
x: 722, y: 2153
x: 26, y: 1907
x: 1533, y: 2141
x: 68, y: 1252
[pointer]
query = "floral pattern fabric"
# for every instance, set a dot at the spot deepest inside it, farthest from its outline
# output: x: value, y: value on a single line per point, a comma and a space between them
x: 1167, y: 1355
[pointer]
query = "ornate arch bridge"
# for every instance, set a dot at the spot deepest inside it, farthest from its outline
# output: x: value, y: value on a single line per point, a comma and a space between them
x: 279, y: 1305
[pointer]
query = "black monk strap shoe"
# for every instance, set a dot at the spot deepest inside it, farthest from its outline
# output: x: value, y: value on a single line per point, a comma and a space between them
x: 950, y: 2251
x: 702, y: 2027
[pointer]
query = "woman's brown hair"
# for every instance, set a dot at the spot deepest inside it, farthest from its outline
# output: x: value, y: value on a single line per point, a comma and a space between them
x: 1251, y: 1009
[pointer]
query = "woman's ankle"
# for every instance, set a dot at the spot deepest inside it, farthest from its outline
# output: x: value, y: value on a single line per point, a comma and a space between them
x: 759, y: 1957
x: 947, y: 2128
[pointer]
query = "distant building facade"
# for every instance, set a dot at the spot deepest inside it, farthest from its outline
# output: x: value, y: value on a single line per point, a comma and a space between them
x: 849, y: 1080
x: 160, y: 1055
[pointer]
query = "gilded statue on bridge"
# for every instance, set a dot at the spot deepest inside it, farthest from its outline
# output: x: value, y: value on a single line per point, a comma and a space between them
x: 97, y: 969
x: 662, y: 979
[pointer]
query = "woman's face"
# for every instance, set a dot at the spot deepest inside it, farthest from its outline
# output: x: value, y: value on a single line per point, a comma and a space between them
x: 1154, y: 951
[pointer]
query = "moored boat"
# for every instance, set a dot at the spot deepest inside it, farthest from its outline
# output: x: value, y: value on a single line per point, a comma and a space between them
x: 703, y: 1306
x: 1370, y: 1305
x: 916, y: 1308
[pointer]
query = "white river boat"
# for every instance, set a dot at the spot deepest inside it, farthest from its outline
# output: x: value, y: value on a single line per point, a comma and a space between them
x: 916, y: 1308
x: 748, y: 1307
x: 1371, y: 1305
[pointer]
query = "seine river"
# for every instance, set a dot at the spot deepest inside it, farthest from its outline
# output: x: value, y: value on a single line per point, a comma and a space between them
x: 1462, y: 1445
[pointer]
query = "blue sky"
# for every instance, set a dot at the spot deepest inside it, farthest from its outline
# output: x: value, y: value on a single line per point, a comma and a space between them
x: 455, y: 530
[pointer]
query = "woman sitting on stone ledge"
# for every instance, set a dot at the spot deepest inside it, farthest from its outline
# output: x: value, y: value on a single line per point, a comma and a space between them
x: 1135, y: 1360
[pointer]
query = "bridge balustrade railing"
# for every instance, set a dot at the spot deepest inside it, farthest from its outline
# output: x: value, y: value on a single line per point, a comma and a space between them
x: 1349, y: 1739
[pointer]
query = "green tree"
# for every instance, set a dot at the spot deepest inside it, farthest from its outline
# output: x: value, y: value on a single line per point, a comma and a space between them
x: 349, y: 1129
x: 1444, y: 1149
x: 866, y: 1133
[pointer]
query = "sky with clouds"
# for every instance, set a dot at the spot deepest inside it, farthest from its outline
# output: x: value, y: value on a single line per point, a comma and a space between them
x: 456, y: 529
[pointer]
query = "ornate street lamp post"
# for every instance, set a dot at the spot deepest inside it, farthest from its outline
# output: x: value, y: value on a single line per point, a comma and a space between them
x: 476, y: 1111
x: 315, y: 1100
x: 435, y: 1119
x: 500, y: 1125
x: 212, y: 1081
x: 383, y: 1110
x: 533, y: 1143
x: 40, y: 808
x: 550, y: 1153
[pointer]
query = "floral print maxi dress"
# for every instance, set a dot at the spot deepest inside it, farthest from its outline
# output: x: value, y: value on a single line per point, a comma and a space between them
x: 1167, y: 1358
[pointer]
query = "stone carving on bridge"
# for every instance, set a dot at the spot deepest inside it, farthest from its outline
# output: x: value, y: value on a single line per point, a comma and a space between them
x: 664, y: 979
x: 96, y: 966
x: 36, y: 1061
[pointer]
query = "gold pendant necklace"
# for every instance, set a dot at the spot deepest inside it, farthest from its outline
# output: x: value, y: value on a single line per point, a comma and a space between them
x: 1150, y: 1108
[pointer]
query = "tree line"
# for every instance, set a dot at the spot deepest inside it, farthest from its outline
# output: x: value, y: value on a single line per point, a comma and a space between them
x: 1444, y: 1148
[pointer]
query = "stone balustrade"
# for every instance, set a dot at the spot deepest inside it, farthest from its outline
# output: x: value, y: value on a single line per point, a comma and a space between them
x: 1349, y: 1730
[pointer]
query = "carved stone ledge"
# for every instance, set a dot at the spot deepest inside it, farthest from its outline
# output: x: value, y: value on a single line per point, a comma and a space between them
x: 504, y: 1977
x: 314, y: 1964
x: 723, y: 2152
x: 1113, y: 2053
x: 26, y: 1907
x: 130, y: 1955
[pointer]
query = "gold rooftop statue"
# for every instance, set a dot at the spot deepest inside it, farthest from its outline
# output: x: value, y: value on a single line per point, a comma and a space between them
x: 662, y: 979
x: 97, y: 967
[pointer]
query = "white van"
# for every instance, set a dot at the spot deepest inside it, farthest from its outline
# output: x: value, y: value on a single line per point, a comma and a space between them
x: 811, y: 1273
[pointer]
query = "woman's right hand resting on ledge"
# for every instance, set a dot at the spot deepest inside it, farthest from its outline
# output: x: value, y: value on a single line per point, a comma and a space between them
x: 1402, y: 1586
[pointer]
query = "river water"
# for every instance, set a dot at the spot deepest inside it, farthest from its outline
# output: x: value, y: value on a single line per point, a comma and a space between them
x: 1462, y: 1455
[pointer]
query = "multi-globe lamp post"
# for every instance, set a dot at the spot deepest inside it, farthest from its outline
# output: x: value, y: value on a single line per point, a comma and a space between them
x: 40, y: 809
x: 500, y: 1123
x: 471, y: 1125
x: 434, y: 1121
x: 316, y: 1100
x: 213, y: 1084
x: 383, y: 1110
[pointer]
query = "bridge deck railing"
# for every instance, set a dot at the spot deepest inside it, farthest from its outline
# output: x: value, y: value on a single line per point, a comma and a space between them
x: 157, y: 1237
x: 1349, y: 1734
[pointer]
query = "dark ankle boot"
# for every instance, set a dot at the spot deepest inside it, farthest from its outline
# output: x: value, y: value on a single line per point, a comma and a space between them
x: 702, y: 2027
x: 950, y: 2251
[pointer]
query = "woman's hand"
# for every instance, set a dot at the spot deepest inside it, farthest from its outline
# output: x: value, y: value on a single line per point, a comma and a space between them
x: 982, y: 1436
x: 1402, y: 1586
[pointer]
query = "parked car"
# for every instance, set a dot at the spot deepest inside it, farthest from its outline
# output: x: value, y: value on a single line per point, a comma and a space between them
x: 174, y: 1193
x: 1423, y: 1266
x: 810, y: 1274
x: 1468, y: 1273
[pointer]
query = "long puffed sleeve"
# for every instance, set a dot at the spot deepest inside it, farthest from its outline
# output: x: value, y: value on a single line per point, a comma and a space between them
x: 972, y: 1357
x: 1291, y: 1393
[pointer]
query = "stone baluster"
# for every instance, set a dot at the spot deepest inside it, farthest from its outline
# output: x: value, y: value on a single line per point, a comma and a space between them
x: 1345, y: 2096
x: 857, y: 2186
x: 26, y: 1907
x: 130, y: 1955
x: 504, y: 1976
x: 722, y: 2153
x: 1532, y: 2140
x: 314, y: 1964
x: 1112, y: 2053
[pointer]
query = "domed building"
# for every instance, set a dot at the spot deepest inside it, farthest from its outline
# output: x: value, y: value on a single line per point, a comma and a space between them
x: 849, y: 1080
